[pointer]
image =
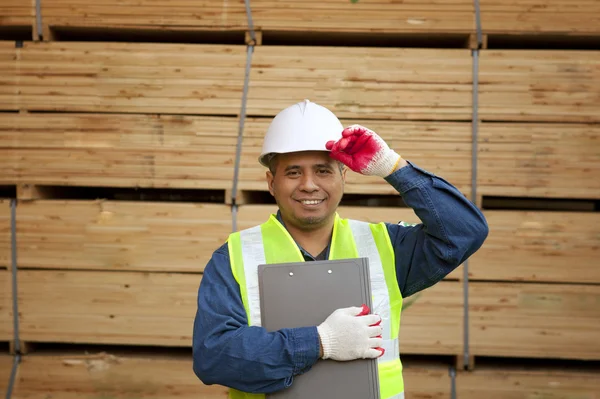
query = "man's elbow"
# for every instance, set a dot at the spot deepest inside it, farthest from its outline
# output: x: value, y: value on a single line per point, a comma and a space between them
x: 203, y: 368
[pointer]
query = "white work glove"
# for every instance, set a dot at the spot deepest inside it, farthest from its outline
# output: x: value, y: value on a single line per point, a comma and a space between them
x: 363, y: 151
x: 351, y: 333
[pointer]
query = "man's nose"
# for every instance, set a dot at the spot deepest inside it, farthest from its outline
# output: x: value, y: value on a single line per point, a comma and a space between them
x: 308, y: 183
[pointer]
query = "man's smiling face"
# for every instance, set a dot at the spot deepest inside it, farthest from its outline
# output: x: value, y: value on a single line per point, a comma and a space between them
x: 308, y: 187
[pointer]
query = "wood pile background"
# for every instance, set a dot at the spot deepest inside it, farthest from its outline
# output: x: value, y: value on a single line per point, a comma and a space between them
x: 119, y: 125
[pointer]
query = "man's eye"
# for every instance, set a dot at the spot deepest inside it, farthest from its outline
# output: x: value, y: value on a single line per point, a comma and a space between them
x: 325, y: 171
x: 292, y: 173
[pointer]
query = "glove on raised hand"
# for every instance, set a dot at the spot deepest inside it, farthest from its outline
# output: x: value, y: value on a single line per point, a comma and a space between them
x: 363, y: 151
x: 351, y: 333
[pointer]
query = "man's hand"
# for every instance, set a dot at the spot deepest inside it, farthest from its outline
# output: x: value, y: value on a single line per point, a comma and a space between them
x: 351, y: 333
x: 363, y: 151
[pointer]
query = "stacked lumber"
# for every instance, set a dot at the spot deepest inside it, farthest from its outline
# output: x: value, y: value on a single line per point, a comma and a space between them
x: 8, y: 76
x: 534, y: 320
x: 6, y: 306
x: 556, y: 160
x: 5, y: 234
x: 128, y: 376
x: 268, y: 15
x: 131, y: 77
x: 104, y: 307
x: 155, y: 15
x: 125, y: 150
x: 439, y: 147
x: 365, y: 16
x: 552, y: 247
x: 510, y: 382
x: 17, y: 13
x: 373, y: 83
x: 539, y: 85
x: 562, y: 17
x: 120, y: 235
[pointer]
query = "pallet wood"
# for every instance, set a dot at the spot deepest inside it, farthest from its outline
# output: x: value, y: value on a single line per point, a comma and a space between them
x: 374, y: 83
x: 539, y: 160
x: 443, y: 148
x: 511, y: 382
x: 534, y: 320
x: 557, y: 247
x: 539, y: 85
x: 107, y: 307
x: 17, y: 13
x: 8, y: 76
x: 120, y: 235
x: 366, y: 16
x: 6, y: 306
x: 165, y: 151
x: 540, y: 17
x: 133, y: 376
x: 131, y: 77
x: 5, y: 234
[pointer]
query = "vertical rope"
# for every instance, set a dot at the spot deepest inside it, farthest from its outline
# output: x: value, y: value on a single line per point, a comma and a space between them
x: 452, y: 373
x: 236, y: 170
x: 474, y: 131
x: 13, y: 376
x: 13, y: 243
x: 38, y: 18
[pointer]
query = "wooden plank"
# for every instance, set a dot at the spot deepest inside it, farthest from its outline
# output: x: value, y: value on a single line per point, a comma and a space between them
x: 107, y: 307
x: 6, y: 364
x: 5, y: 234
x: 434, y: 322
x: 167, y: 151
x: 539, y: 160
x: 511, y: 382
x: 268, y: 15
x: 133, y: 376
x: 534, y: 320
x: 6, y: 306
x: 120, y: 235
x: 443, y: 148
x: 8, y: 76
x: 108, y: 375
x: 539, y: 85
x: 132, y: 77
x: 366, y: 16
x: 17, y: 13
x: 156, y: 15
x: 252, y: 215
x: 353, y: 82
x: 539, y: 247
x: 540, y: 16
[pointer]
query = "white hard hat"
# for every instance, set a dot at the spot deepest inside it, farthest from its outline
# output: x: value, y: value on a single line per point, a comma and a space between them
x: 304, y: 126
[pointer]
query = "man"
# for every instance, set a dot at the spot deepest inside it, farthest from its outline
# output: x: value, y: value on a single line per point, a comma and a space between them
x: 307, y: 151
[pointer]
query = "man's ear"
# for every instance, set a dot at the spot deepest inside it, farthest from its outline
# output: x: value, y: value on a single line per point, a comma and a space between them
x: 270, y: 179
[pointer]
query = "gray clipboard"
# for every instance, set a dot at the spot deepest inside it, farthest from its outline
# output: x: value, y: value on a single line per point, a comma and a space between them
x: 305, y: 294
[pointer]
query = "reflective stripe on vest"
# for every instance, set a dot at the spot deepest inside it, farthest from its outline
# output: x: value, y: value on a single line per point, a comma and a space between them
x: 271, y: 243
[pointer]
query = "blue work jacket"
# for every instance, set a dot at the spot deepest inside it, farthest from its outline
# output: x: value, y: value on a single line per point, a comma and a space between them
x: 228, y: 352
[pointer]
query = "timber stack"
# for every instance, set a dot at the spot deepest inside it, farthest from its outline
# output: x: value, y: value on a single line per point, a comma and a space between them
x: 119, y: 130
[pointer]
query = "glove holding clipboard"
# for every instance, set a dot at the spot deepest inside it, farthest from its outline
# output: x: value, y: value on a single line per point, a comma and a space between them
x: 324, y: 294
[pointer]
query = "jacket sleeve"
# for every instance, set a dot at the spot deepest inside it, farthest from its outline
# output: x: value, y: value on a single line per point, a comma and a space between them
x: 452, y: 228
x: 228, y: 352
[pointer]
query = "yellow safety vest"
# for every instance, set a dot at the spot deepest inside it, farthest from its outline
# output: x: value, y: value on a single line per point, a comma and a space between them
x: 271, y: 243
